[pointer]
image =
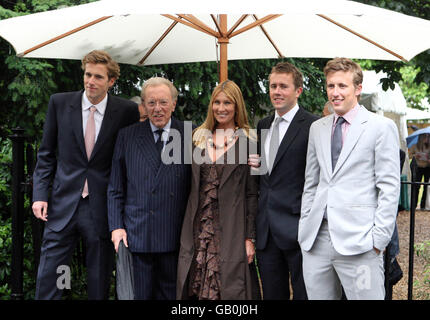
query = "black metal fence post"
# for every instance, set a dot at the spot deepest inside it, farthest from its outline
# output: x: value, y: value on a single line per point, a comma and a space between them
x: 18, y: 139
x: 388, y: 288
x: 414, y: 191
x: 36, y: 224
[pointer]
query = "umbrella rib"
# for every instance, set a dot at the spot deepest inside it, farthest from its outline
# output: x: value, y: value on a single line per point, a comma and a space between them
x: 217, y: 25
x: 362, y: 37
x: 255, y: 24
x: 238, y: 22
x: 66, y: 34
x: 142, y: 61
x: 269, y: 38
x: 193, y: 20
x: 190, y: 25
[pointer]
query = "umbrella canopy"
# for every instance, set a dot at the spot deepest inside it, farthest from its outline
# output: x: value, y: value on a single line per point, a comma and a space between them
x: 413, y: 138
x: 147, y: 32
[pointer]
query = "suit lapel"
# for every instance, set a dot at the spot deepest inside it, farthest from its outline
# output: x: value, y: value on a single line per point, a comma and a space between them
x: 354, y: 132
x: 265, y: 126
x: 229, y: 168
x: 263, y: 134
x: 293, y: 129
x: 145, y: 142
x: 195, y: 173
x: 108, y: 124
x: 75, y: 109
x: 175, y: 125
x: 325, y: 136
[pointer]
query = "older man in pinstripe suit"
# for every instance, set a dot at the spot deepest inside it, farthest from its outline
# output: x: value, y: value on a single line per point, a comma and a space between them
x: 146, y: 196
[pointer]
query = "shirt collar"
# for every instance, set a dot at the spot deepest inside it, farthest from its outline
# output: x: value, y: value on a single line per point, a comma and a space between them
x: 289, y: 115
x: 349, y: 116
x: 101, y: 106
x: 166, y: 127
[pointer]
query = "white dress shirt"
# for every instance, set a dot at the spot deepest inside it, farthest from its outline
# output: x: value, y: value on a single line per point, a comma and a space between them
x: 165, y: 132
x: 283, y: 127
x: 98, y: 115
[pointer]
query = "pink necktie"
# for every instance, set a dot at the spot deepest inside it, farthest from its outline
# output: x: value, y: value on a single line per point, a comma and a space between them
x: 90, y: 138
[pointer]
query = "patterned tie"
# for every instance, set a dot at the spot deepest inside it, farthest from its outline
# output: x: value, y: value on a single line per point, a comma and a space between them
x: 90, y: 139
x: 336, y: 142
x: 274, y: 143
x: 159, y: 144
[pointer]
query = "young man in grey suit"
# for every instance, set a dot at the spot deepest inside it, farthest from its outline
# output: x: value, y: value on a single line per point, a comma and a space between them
x: 147, y: 196
x: 75, y: 155
x: 351, y: 193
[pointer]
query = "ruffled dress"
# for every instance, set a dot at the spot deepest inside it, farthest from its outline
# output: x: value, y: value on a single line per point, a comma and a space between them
x: 204, y: 278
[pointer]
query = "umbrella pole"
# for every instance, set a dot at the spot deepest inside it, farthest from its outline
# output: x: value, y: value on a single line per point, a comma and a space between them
x: 223, y: 42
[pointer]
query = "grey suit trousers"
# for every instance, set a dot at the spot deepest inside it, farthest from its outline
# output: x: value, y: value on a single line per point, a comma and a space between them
x: 325, y: 271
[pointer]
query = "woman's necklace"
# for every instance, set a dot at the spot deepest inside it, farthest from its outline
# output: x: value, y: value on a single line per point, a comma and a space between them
x: 221, y: 146
x: 226, y: 143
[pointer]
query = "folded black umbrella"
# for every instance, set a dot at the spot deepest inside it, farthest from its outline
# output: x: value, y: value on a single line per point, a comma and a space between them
x: 124, y: 273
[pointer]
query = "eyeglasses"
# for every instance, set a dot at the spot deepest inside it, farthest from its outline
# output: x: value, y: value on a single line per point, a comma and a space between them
x: 154, y: 103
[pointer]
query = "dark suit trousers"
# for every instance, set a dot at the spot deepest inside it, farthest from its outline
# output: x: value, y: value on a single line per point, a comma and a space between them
x: 57, y: 250
x: 276, y: 266
x: 155, y: 275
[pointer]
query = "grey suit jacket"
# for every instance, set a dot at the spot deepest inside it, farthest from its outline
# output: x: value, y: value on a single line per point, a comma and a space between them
x: 361, y: 194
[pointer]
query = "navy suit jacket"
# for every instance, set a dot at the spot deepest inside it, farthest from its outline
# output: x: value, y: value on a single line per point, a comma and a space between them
x: 62, y: 158
x: 280, y: 196
x: 147, y: 201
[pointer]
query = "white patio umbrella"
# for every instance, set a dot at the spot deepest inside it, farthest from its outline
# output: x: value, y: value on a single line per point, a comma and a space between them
x: 148, y: 32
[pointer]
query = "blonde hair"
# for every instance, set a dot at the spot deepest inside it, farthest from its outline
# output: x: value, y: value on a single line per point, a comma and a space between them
x: 345, y: 65
x: 99, y: 56
x: 233, y: 92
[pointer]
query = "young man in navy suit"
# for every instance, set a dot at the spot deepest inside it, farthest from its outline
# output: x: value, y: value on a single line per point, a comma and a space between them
x: 75, y: 158
x: 147, y: 196
x: 283, y: 139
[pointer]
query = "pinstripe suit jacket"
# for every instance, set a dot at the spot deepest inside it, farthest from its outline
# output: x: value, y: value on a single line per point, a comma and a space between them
x: 147, y: 201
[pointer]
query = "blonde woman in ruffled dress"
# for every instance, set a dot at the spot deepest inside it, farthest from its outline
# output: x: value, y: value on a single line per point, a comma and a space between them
x: 218, y: 233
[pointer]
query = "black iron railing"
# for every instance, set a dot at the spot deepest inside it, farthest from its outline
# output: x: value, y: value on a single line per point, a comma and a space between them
x: 23, y: 153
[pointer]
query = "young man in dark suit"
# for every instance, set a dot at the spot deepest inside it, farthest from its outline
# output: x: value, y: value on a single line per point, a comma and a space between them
x: 147, y: 196
x: 283, y: 140
x: 75, y: 156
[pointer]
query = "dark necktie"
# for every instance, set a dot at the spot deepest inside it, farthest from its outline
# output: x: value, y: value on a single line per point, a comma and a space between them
x: 336, y: 142
x: 159, y: 144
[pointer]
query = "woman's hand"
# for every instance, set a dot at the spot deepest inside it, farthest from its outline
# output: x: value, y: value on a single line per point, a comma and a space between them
x: 250, y: 250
